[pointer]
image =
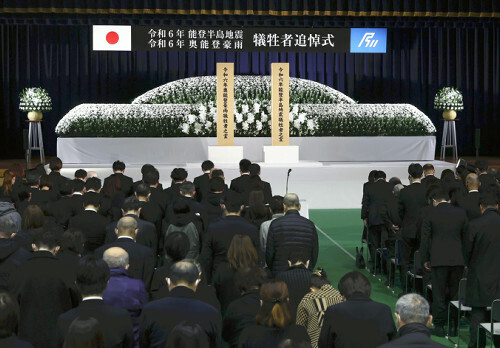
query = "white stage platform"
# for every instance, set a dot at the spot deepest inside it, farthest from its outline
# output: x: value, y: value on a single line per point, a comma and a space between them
x: 193, y: 150
x: 324, y: 185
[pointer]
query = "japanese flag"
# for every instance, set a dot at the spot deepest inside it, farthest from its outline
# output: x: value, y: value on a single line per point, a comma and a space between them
x: 112, y: 37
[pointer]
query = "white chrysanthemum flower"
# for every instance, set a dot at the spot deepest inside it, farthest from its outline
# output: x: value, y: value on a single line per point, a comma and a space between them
x: 302, y: 117
x: 258, y: 125
x: 191, y: 118
x: 197, y: 128
x: 208, y: 124
x: 310, y: 124
x: 256, y: 108
x: 296, y: 124
x: 244, y: 108
x: 295, y: 109
x: 244, y: 125
x: 263, y: 117
x: 250, y: 118
x: 185, y: 128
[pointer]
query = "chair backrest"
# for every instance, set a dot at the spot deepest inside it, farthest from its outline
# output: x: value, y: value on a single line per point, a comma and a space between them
x: 461, y: 291
x: 495, y: 310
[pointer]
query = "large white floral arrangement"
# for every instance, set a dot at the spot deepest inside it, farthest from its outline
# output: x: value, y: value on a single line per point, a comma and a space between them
x: 177, y: 120
x: 202, y: 90
x: 34, y: 99
x: 187, y: 108
x: 448, y: 98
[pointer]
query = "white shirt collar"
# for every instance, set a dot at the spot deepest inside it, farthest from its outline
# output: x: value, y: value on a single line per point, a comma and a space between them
x: 92, y: 298
x: 91, y: 209
x: 473, y: 191
x: 77, y: 194
x: 125, y: 237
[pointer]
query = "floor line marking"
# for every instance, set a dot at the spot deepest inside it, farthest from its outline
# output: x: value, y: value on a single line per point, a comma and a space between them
x: 334, y: 242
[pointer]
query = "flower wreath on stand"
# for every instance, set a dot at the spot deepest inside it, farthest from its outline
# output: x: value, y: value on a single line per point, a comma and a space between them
x: 449, y: 100
x: 34, y: 100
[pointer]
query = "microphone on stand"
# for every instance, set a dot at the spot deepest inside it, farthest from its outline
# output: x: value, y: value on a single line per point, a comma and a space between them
x: 288, y: 177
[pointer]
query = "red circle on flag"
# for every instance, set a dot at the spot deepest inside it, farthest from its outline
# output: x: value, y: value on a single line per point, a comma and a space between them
x: 112, y: 37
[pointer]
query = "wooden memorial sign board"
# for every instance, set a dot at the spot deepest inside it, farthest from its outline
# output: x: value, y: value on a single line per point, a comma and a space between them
x: 280, y: 99
x: 225, y: 104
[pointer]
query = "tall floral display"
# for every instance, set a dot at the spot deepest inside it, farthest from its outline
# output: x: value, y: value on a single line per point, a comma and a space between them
x: 449, y: 100
x: 35, y: 100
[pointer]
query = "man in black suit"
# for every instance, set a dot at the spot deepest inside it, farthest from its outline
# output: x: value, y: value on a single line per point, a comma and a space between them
x: 240, y: 183
x: 144, y: 169
x: 141, y: 258
x: 371, y: 179
x: 470, y: 202
x: 55, y: 176
x: 265, y: 186
x: 202, y: 182
x: 152, y: 179
x: 91, y: 279
x: 297, y: 278
x: 375, y: 201
x: 487, y: 180
x: 90, y: 223
x: 187, y: 193
x: 12, y: 256
x: 33, y: 185
x: 413, y: 320
x: 150, y: 211
x: 288, y: 233
x: 220, y: 234
x: 212, y: 200
x: 62, y: 209
x: 429, y: 175
x: 81, y: 174
x: 178, y: 176
x: 146, y: 234
x: 76, y: 200
x: 359, y: 321
x: 93, y: 184
x: 483, y: 261
x: 44, y: 287
x: 412, y: 199
x: 126, y: 182
x: 443, y: 246
x: 161, y: 316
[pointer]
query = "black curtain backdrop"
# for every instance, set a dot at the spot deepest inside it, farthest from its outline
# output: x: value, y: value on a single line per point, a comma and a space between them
x: 50, y: 46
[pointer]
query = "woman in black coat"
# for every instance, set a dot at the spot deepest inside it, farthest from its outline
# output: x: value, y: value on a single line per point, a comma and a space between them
x: 275, y: 324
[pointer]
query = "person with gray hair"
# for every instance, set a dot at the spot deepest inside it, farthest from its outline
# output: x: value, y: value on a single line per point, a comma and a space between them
x: 122, y: 290
x: 413, y: 320
x: 289, y: 233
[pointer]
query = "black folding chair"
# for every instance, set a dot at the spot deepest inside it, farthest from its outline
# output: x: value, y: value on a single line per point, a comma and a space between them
x: 460, y: 307
x: 493, y: 327
x: 412, y: 272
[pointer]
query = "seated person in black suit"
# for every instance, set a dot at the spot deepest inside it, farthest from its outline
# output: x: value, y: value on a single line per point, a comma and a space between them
x: 359, y: 321
x: 161, y: 316
x: 93, y: 184
x: 202, y: 182
x: 126, y: 181
x: 62, y: 210
x: 90, y: 223
x: 12, y: 255
x: 9, y: 313
x: 141, y: 258
x: 72, y: 248
x: 76, y: 200
x: 413, y: 321
x: 91, y: 279
x: 81, y: 174
x: 240, y: 183
x: 55, y: 176
x: 48, y: 192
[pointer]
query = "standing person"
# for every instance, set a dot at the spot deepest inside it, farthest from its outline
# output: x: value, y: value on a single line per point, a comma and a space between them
x: 274, y: 321
x: 126, y: 182
x: 374, y: 203
x: 359, y: 321
x: 470, y: 201
x: 202, y: 182
x: 92, y: 277
x: 55, y: 165
x: 240, y: 183
x: 288, y: 233
x: 257, y: 212
x: 44, y: 287
x: 443, y: 246
x: 178, y: 177
x: 413, y: 320
x: 277, y: 210
x: 412, y: 199
x: 266, y: 187
x: 429, y: 175
x: 160, y: 317
x: 312, y: 308
x: 482, y: 258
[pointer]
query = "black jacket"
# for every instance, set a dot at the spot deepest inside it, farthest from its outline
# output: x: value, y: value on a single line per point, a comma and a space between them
x: 45, y: 289
x: 93, y: 227
x: 145, y: 236
x: 430, y: 180
x: 483, y: 279
x: 240, y: 183
x: 358, y: 322
x: 374, y: 201
x: 115, y: 323
x: 225, y: 287
x: 202, y: 185
x: 12, y: 256
x: 219, y: 236
x: 161, y: 316
x: 239, y: 314
x: 297, y: 279
x: 14, y: 342
x: 470, y: 203
x: 57, y: 180
x: 259, y: 336
x: 287, y: 233
x: 413, y: 335
x: 151, y: 211
x: 126, y: 183
x: 211, y: 202
x: 443, y: 236
x: 411, y: 201
x: 141, y: 258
